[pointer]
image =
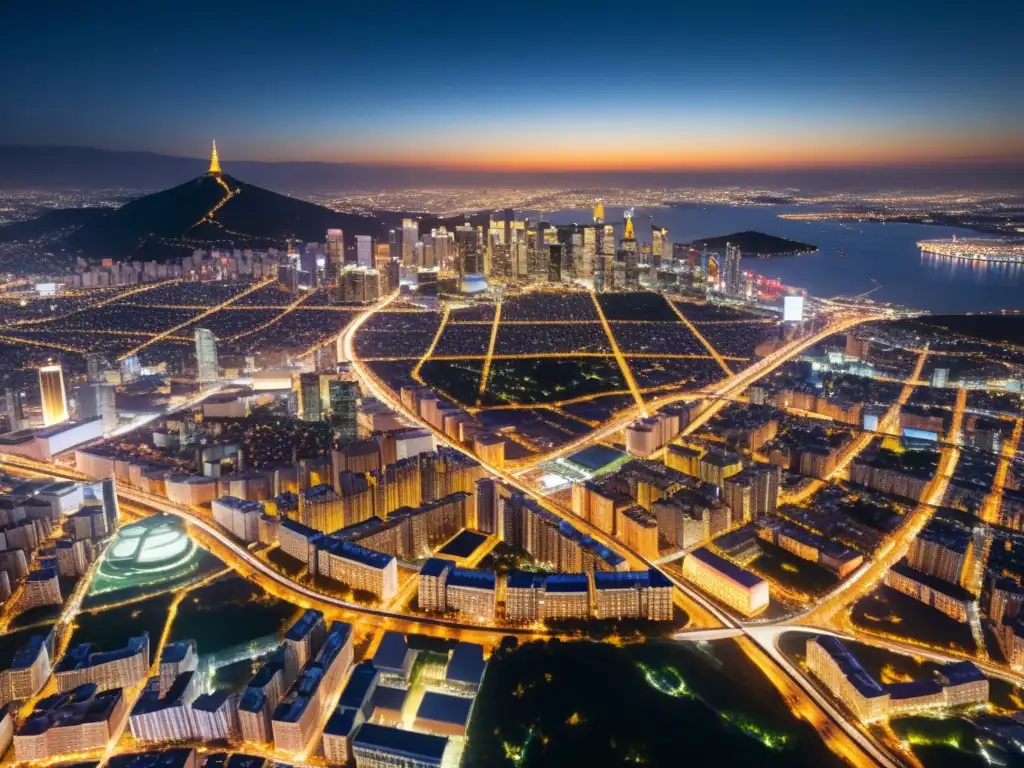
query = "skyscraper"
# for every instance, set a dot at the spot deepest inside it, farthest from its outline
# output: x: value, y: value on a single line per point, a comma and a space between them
x: 731, y: 270
x: 555, y: 263
x: 659, y: 245
x: 310, y: 407
x: 51, y: 395
x: 629, y: 235
x: 335, y: 251
x: 207, y: 369
x: 467, y: 250
x: 410, y: 234
x: 364, y: 250
x: 598, y: 212
x: 342, y: 396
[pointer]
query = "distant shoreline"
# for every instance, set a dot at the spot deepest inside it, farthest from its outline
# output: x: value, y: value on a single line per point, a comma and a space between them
x: 757, y: 245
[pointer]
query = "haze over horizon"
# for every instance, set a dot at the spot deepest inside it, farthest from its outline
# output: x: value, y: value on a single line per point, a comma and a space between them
x: 526, y: 88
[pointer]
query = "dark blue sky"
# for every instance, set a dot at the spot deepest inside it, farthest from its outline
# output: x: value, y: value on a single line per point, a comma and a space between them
x: 528, y: 85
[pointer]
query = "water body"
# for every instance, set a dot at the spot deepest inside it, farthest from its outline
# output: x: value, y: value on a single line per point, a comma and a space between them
x: 886, y: 253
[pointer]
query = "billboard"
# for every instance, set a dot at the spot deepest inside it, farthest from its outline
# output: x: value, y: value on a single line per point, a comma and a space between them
x: 793, y: 309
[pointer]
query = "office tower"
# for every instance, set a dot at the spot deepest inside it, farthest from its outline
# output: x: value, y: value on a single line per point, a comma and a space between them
x: 940, y: 377
x: 15, y: 406
x: 444, y: 242
x: 342, y: 398
x: 554, y: 263
x: 335, y: 251
x: 467, y: 250
x: 111, y: 508
x: 410, y: 235
x: 308, y: 390
x: 599, y: 212
x: 731, y: 271
x: 659, y: 245
x: 364, y: 250
x: 207, y: 369
x: 628, y: 235
x: 52, y: 396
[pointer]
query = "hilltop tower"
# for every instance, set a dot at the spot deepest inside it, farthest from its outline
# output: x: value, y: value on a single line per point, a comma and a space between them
x: 214, y: 160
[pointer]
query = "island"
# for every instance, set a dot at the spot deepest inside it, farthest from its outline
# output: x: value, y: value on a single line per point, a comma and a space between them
x: 756, y: 244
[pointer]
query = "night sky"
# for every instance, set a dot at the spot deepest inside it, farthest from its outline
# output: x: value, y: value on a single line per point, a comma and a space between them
x: 549, y: 86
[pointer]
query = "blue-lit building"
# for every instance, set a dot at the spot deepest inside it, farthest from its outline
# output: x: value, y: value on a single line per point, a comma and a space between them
x: 380, y: 746
x: 394, y: 657
x: 444, y: 714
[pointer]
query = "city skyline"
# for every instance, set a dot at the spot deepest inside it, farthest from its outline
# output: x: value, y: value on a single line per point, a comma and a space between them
x: 686, y: 89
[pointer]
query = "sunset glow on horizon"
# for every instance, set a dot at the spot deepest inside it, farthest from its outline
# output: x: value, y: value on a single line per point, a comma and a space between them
x: 525, y: 88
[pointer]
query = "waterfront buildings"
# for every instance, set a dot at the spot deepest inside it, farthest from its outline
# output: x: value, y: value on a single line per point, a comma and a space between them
x: 260, y: 698
x: 164, y: 715
x: 30, y: 669
x: 175, y: 660
x: 735, y: 586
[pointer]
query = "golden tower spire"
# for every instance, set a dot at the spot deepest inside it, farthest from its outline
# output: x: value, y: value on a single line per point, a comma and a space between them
x: 214, y: 161
x: 629, y: 234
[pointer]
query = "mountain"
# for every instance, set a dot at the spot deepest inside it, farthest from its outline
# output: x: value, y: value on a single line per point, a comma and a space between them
x: 756, y: 244
x: 211, y: 210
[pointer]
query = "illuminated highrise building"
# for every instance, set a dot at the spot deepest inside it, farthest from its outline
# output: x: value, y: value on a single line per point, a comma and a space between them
x: 660, y: 248
x: 467, y: 250
x: 731, y: 276
x: 52, y: 395
x: 207, y: 369
x: 443, y: 247
x: 410, y: 235
x: 335, y: 251
x: 555, y: 263
x: 599, y: 212
x: 629, y: 235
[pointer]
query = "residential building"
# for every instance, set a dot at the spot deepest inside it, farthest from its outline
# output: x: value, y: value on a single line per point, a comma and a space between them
x: 735, y: 586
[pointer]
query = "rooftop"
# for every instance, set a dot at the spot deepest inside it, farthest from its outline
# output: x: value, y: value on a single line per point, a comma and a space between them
x: 464, y: 544
x: 435, y: 566
x: 385, y: 697
x: 469, y: 577
x: 445, y: 708
x: 359, y: 684
x: 352, y: 551
x: 567, y: 582
x: 467, y: 664
x: 425, y: 747
x: 390, y: 655
x: 305, y: 623
x: 732, y: 571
